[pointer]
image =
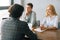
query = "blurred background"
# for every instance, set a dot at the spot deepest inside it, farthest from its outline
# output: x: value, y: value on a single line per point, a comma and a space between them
x: 39, y: 6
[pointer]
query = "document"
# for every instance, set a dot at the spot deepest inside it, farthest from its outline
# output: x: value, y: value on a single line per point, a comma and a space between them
x: 39, y: 30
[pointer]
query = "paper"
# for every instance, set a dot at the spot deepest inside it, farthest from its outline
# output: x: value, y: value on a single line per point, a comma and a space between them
x: 39, y: 30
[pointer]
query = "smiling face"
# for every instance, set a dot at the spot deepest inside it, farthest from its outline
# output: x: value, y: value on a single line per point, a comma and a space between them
x: 28, y: 8
x: 50, y: 10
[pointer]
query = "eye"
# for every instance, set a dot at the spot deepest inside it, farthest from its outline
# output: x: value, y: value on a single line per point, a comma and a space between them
x: 49, y: 10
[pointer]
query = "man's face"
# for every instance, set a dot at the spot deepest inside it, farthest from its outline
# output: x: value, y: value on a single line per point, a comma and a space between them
x: 28, y: 8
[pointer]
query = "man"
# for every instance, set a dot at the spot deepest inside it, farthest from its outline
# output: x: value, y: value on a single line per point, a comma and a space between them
x: 14, y: 29
x: 29, y: 16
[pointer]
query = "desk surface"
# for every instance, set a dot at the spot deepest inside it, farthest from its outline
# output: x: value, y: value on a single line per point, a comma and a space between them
x: 49, y: 35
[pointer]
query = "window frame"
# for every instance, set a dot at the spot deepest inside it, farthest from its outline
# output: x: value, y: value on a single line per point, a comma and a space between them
x: 6, y: 7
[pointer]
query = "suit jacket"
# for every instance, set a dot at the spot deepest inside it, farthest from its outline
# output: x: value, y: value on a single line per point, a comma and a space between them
x: 14, y: 29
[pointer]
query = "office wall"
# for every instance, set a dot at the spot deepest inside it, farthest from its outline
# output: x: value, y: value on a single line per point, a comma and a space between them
x: 17, y: 1
x: 40, y: 6
x: 21, y: 2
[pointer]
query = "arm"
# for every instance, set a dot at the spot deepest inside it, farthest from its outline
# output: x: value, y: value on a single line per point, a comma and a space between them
x: 29, y: 33
x: 33, y: 18
x: 51, y: 28
x: 55, y: 24
x: 42, y: 24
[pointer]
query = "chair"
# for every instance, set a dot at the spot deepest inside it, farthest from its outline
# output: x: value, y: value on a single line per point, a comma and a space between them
x: 58, y: 25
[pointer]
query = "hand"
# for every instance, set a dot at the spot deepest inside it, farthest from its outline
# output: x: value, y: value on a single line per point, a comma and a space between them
x: 43, y: 27
x: 27, y: 13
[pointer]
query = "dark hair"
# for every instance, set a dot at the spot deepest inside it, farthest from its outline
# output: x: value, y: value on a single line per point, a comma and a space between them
x: 30, y: 4
x: 16, y: 10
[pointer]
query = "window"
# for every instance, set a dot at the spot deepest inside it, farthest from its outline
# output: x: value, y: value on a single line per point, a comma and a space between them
x: 4, y: 4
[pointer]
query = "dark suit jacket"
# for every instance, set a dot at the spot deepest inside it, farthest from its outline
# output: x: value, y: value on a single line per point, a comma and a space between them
x: 14, y: 29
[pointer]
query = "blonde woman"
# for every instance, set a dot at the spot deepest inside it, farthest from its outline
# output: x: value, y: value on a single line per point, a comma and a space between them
x: 51, y: 19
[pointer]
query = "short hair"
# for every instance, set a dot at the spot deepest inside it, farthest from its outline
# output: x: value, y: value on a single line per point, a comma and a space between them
x: 30, y: 4
x: 16, y: 10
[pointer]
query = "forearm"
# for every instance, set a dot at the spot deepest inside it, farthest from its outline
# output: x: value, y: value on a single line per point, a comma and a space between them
x: 48, y: 28
x: 51, y: 28
x: 33, y: 21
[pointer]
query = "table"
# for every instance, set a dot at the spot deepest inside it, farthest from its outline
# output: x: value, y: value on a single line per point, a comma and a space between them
x: 49, y: 35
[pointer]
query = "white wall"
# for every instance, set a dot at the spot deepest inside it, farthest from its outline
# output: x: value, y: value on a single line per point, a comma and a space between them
x: 17, y: 1
x: 40, y: 6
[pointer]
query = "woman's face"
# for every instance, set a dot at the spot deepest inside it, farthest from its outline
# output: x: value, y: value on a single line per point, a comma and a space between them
x: 49, y: 10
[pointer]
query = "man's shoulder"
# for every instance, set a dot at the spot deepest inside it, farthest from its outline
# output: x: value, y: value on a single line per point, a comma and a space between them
x: 33, y: 12
x: 23, y: 22
x: 5, y: 19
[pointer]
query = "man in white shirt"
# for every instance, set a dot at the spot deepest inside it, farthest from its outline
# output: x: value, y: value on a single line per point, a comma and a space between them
x: 29, y: 16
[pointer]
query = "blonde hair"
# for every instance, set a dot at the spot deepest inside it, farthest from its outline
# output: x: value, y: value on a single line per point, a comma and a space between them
x: 52, y: 9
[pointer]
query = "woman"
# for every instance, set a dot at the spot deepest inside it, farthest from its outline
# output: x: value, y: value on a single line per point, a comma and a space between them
x: 51, y: 19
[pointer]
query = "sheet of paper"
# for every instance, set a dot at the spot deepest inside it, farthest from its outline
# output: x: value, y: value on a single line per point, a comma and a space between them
x: 39, y: 30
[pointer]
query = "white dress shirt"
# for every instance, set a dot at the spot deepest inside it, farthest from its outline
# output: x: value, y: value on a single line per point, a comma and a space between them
x: 31, y: 19
x: 50, y: 21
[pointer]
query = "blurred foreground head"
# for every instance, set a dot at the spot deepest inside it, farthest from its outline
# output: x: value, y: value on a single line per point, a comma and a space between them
x: 16, y: 10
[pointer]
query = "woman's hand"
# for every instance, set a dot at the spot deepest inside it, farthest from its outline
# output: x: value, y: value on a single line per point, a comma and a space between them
x: 42, y: 27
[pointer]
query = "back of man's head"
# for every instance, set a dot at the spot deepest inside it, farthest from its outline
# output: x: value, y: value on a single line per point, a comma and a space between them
x: 16, y: 10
